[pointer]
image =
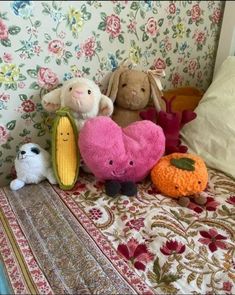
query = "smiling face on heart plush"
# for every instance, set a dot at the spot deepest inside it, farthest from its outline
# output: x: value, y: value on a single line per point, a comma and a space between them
x: 124, y: 154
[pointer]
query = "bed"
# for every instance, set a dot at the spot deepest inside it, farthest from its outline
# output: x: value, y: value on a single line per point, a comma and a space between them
x: 83, y: 242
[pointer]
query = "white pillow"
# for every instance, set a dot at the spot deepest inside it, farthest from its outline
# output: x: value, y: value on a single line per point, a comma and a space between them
x: 212, y: 134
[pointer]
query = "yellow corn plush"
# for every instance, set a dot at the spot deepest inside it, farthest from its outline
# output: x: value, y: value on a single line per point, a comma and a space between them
x: 65, y: 153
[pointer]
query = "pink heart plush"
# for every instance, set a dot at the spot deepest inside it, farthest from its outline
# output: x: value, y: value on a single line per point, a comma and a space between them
x: 123, y: 154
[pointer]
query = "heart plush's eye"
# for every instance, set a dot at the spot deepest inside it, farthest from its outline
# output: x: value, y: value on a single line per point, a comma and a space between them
x: 176, y: 187
x: 142, y: 89
x: 89, y: 91
x: 70, y: 88
x: 199, y: 182
x: 124, y: 85
x: 131, y: 163
x: 111, y: 162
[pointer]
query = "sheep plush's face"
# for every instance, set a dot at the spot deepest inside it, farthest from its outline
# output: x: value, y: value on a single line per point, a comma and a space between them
x: 80, y: 95
x: 29, y: 152
x: 133, y: 90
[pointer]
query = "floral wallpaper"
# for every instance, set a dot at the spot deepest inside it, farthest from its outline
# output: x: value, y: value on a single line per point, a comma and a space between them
x: 43, y: 43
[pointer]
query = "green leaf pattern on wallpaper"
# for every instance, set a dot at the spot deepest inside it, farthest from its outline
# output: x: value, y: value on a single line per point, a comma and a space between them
x: 43, y: 43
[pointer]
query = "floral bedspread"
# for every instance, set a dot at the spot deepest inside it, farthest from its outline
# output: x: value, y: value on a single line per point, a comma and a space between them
x: 152, y: 244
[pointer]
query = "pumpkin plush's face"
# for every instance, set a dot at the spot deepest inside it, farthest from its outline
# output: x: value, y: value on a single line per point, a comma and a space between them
x: 178, y: 175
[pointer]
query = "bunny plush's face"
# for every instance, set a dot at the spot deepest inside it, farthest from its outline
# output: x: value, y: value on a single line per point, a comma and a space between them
x: 133, y: 90
x: 81, y: 95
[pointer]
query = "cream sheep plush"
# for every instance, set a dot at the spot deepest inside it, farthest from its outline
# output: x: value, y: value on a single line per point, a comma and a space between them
x: 32, y: 165
x: 82, y: 96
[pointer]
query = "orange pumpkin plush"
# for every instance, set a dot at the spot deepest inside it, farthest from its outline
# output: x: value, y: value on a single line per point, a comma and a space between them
x: 181, y: 175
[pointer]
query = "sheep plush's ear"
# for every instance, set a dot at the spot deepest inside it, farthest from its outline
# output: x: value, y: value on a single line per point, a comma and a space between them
x: 156, y: 88
x: 106, y: 106
x: 51, y: 101
x: 114, y: 79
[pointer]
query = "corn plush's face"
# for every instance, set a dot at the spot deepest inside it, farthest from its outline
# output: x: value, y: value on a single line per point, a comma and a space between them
x: 65, y: 132
x: 66, y: 153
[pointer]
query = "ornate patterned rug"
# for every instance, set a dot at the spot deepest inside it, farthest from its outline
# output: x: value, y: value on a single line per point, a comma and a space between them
x: 84, y: 242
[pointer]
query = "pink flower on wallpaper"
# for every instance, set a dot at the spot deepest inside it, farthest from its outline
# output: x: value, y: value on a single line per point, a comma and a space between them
x: 37, y: 49
x: 167, y: 43
x: 3, y: 31
x: 56, y: 47
x: 46, y: 78
x: 200, y: 37
x: 136, y: 253
x: 28, y: 106
x: 79, y: 74
x: 151, y: 27
x: 177, y: 79
x: 78, y: 53
x: 113, y: 25
x: 172, y: 8
x: 7, y: 57
x: 4, y: 97
x: 192, y: 66
x: 136, y: 224
x: 159, y: 64
x: 216, y: 16
x: 21, y: 85
x: 132, y: 26
x: 4, y: 135
x: 213, y: 239
x: 195, y: 13
x: 89, y: 47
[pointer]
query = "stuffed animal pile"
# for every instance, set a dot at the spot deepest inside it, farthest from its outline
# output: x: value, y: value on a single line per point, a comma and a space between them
x: 120, y: 151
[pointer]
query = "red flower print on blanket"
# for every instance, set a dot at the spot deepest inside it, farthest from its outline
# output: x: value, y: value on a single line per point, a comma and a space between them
x: 136, y: 253
x: 213, y: 239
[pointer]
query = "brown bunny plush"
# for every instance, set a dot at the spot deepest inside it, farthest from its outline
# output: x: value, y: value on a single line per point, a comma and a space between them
x: 131, y: 91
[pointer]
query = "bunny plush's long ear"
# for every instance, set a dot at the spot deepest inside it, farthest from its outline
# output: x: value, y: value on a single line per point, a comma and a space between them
x: 114, y: 79
x: 106, y: 106
x: 51, y: 101
x: 156, y: 88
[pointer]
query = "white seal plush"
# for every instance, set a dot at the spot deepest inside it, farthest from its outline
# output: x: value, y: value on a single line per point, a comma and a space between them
x: 32, y: 165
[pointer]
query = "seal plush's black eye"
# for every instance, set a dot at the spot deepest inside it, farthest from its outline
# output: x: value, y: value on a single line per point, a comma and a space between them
x: 111, y: 162
x: 124, y: 85
x: 35, y: 150
x: 89, y: 91
x: 70, y: 88
x: 142, y: 89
